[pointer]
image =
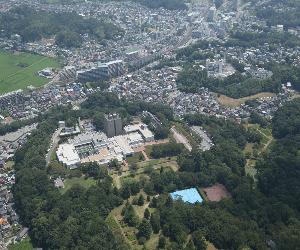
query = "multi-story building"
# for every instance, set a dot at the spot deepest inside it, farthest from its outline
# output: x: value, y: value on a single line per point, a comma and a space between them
x: 113, y: 125
x: 214, y: 67
x: 103, y: 71
x: 112, y: 69
x: 211, y: 15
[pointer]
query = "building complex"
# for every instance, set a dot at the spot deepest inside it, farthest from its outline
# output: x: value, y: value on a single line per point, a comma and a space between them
x: 113, y: 125
x: 101, y: 148
x: 103, y: 71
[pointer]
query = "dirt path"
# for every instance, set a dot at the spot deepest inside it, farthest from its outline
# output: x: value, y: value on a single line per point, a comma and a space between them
x: 270, y: 140
x: 267, y: 144
x: 250, y: 164
x: 145, y: 156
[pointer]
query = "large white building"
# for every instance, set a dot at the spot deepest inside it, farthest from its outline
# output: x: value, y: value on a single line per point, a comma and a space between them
x: 67, y: 155
x: 142, y: 129
x: 96, y: 147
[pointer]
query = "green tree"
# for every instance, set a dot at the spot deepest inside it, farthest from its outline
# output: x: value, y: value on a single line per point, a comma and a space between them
x: 155, y: 222
x: 162, y: 242
x: 130, y: 216
x: 145, y: 229
x: 199, y: 240
x: 141, y: 200
x: 147, y: 214
x: 125, y: 192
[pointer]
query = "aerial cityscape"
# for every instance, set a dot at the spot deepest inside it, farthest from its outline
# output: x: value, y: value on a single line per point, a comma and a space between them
x: 150, y: 124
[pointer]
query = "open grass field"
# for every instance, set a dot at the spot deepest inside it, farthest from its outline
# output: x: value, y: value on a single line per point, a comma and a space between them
x: 128, y: 234
x: 19, y: 70
x: 267, y: 140
x: 137, y: 157
x: 231, y: 102
x: 9, y: 165
x: 86, y: 183
x: 23, y: 245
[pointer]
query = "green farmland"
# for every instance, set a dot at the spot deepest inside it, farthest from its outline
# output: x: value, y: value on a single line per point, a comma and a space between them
x: 17, y: 71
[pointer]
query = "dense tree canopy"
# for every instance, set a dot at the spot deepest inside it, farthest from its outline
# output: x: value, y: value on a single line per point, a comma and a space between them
x: 34, y: 25
x: 280, y: 170
x: 251, y: 39
x: 287, y: 120
x: 71, y: 220
x: 255, y: 214
x: 236, y: 85
x: 274, y: 17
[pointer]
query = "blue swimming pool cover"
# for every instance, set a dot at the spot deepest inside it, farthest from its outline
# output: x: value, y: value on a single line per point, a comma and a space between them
x: 190, y: 195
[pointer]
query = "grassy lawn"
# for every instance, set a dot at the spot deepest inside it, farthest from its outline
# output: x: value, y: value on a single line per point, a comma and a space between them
x: 128, y: 234
x: 23, y: 245
x: 210, y: 246
x: 137, y: 157
x: 17, y: 71
x: 86, y: 183
x: 157, y: 163
x: 148, y: 150
x: 266, y: 141
x: 248, y: 148
x: 9, y: 165
x: 231, y: 102
x: 152, y: 242
x: 115, y: 227
x: 250, y: 168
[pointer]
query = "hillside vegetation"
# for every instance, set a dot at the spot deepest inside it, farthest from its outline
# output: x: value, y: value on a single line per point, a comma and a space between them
x: 67, y: 28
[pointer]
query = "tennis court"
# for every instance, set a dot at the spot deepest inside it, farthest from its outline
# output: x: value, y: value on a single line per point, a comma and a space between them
x: 190, y: 195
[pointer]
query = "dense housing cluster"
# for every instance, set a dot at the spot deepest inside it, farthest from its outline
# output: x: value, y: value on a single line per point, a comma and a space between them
x: 163, y: 124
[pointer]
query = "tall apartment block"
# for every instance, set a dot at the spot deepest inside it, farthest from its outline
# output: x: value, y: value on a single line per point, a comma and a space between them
x: 112, y: 69
x: 103, y: 71
x: 113, y: 125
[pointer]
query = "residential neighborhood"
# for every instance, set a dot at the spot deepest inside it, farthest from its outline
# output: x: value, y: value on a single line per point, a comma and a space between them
x: 154, y: 48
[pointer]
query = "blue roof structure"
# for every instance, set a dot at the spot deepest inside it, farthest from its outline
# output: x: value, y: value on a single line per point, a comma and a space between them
x: 190, y: 195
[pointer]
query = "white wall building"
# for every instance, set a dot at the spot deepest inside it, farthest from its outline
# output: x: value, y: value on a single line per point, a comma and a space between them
x: 142, y: 129
x: 96, y: 147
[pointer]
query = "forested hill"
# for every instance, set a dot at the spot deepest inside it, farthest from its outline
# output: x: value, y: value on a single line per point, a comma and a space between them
x: 285, y: 12
x: 67, y: 28
x: 73, y: 220
x: 279, y: 176
x: 279, y: 172
x: 256, y: 215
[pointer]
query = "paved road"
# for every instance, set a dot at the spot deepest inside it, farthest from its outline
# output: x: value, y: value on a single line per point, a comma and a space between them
x: 180, y: 138
x: 54, y: 144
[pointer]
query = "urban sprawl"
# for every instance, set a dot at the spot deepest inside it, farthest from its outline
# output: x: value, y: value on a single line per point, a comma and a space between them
x: 150, y: 36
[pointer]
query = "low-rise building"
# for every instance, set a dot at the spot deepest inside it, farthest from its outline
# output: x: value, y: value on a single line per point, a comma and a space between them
x: 97, y: 147
x: 142, y: 129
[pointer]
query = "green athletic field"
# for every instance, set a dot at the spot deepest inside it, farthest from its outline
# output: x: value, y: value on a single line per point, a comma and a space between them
x: 19, y: 70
